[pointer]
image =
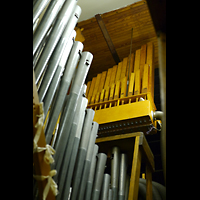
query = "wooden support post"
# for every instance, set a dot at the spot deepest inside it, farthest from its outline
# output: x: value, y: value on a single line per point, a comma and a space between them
x: 135, y: 172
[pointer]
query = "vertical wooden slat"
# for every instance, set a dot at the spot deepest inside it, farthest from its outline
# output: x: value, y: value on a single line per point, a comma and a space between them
x: 88, y: 88
x: 101, y: 85
x: 112, y: 90
x: 107, y: 91
x: 96, y: 87
x: 107, y: 82
x: 123, y: 87
x: 145, y: 79
x: 131, y: 66
x: 91, y: 89
x: 102, y: 95
x: 124, y: 66
x: 113, y: 75
x: 131, y: 84
x: 137, y: 82
x: 151, y: 69
x: 137, y: 61
x: 143, y: 55
x: 117, y: 89
x: 119, y: 69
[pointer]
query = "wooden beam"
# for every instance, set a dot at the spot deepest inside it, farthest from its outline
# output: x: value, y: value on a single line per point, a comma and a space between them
x: 107, y: 38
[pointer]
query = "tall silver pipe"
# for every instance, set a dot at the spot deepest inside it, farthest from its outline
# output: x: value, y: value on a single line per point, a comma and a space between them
x: 38, y: 53
x: 105, y: 187
x: 115, y: 162
x: 98, y: 180
x: 91, y: 173
x: 48, y: 18
x: 54, y: 61
x: 68, y: 179
x: 110, y: 194
x: 127, y: 186
x: 79, y: 115
x: 80, y: 111
x: 56, y: 78
x: 87, y: 162
x: 64, y: 84
x: 57, y: 31
x: 82, y: 152
x: 122, y: 176
x: 64, y: 128
x: 38, y: 7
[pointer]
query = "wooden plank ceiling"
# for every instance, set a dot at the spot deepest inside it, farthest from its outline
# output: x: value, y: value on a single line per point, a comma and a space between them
x: 119, y: 24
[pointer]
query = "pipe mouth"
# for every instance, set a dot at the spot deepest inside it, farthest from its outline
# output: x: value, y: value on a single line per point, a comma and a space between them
x: 157, y: 115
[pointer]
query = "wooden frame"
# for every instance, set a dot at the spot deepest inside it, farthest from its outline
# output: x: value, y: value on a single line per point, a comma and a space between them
x: 141, y: 152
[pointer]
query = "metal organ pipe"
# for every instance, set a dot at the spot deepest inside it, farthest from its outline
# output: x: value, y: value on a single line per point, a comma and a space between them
x: 64, y: 86
x: 55, y: 81
x: 105, y: 187
x: 48, y: 18
x: 57, y: 30
x: 122, y: 176
x: 87, y: 162
x: 64, y: 128
x: 90, y: 180
x: 82, y: 151
x: 99, y: 176
x: 115, y: 162
x: 38, y: 7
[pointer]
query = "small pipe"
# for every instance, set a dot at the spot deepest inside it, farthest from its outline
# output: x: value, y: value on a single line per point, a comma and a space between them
x: 102, y: 157
x: 82, y: 152
x: 91, y: 174
x: 87, y: 162
x: 127, y: 186
x: 68, y: 179
x: 157, y: 115
x: 105, y: 187
x: 122, y: 176
x: 115, y: 161
x: 110, y: 194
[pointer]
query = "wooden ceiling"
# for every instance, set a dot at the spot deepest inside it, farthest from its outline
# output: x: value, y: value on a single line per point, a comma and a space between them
x: 119, y: 24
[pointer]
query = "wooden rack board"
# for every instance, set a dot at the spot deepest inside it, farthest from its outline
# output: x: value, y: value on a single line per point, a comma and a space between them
x: 138, y: 150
